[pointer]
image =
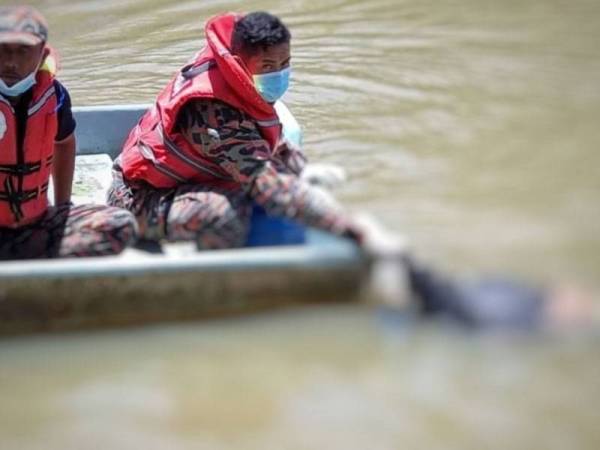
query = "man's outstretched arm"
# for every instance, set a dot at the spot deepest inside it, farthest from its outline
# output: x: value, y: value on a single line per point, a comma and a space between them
x: 242, y: 152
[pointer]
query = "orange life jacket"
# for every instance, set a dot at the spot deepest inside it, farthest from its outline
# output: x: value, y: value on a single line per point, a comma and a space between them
x: 25, y: 171
x: 157, y: 153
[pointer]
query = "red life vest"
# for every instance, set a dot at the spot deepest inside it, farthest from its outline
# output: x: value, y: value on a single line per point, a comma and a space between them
x: 24, y: 172
x: 157, y: 153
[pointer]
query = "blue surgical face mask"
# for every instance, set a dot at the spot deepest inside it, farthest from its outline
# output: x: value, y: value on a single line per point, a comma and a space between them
x: 271, y: 86
x: 18, y: 88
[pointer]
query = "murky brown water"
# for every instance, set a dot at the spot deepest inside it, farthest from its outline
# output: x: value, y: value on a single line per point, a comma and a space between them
x: 341, y: 378
x: 470, y: 126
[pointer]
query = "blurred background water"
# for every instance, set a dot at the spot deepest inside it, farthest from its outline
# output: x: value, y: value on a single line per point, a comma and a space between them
x: 469, y: 126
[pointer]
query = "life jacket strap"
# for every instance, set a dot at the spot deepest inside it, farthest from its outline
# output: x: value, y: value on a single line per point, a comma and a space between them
x: 21, y: 169
x: 16, y: 198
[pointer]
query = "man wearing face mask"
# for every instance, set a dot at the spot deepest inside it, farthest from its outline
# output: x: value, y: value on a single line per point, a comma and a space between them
x: 37, y: 140
x: 212, y: 145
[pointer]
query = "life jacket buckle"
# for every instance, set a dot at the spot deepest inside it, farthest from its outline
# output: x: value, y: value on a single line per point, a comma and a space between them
x: 21, y: 168
x: 15, y: 198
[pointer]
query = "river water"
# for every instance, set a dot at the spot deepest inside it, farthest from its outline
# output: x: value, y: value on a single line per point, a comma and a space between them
x: 469, y: 126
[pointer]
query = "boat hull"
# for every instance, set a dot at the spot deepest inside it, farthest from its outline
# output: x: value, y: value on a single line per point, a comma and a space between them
x: 177, y: 282
x: 139, y: 288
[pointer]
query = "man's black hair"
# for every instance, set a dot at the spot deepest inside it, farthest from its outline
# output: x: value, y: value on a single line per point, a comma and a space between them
x: 258, y: 31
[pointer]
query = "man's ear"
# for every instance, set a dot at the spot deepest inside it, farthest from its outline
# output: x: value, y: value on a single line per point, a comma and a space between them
x: 44, y: 52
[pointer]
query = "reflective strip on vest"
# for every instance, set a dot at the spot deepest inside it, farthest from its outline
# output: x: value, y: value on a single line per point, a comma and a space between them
x: 195, y: 71
x: 148, y: 154
x: 42, y: 101
x: 268, y: 123
x: 188, y: 159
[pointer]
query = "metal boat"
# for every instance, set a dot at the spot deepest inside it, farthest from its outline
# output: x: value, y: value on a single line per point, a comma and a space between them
x: 173, y: 281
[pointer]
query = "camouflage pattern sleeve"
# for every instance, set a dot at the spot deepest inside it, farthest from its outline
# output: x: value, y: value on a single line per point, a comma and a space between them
x: 289, y: 158
x: 230, y: 138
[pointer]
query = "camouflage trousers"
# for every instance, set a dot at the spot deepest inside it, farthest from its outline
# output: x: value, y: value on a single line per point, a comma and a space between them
x: 67, y: 230
x: 213, y: 219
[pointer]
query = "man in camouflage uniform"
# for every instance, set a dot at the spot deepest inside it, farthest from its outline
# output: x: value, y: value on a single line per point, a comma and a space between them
x: 195, y: 176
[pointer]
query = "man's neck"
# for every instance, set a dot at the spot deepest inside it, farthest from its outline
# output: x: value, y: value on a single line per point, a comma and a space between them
x: 14, y: 101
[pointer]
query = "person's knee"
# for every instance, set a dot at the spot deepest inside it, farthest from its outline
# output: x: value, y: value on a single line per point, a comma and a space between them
x: 119, y: 226
x: 97, y: 230
x: 227, y: 230
x: 207, y: 218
